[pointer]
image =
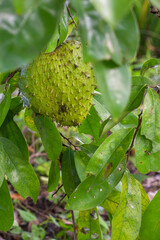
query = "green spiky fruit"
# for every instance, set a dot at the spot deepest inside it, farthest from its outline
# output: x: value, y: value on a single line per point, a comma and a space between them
x: 59, y: 84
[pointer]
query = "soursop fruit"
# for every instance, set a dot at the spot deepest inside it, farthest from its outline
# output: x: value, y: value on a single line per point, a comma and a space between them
x: 59, y: 84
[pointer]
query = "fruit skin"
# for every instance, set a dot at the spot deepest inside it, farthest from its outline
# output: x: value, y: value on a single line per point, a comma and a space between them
x: 59, y: 84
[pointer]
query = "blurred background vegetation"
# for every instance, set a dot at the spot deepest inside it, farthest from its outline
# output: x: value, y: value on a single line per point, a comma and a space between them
x: 48, y: 219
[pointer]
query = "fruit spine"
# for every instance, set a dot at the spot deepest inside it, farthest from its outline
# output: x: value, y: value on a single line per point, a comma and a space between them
x: 59, y: 84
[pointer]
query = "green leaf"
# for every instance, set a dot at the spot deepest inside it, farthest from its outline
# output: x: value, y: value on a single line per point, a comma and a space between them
x: 127, y: 219
x: 81, y: 138
x: 127, y: 33
x: 98, y: 38
x: 139, y: 85
x: 91, y: 124
x: 19, y: 172
x: 100, y: 106
x: 24, y: 36
x: 89, y: 149
x: 54, y: 175
x: 63, y: 26
x: 10, y: 130
x: 22, y: 6
x: 113, y: 11
x: 27, y: 216
x: 149, y: 64
x: 94, y: 189
x: 138, y: 88
x: 5, y: 102
x: 150, y: 227
x: 111, y: 203
x: 111, y: 151
x: 129, y: 121
x: 29, y: 120
x: 144, y: 199
x: 146, y: 159
x: 115, y: 84
x: 69, y: 174
x: 51, y: 46
x: 50, y: 136
x: 6, y: 208
x: 81, y: 161
x: 150, y: 127
x: 16, y: 105
x: 88, y: 225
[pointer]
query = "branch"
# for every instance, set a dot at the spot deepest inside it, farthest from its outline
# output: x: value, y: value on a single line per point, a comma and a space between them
x: 135, y: 134
x: 69, y: 12
x: 57, y: 190
x: 61, y: 199
x: 76, y: 148
x: 10, y: 76
x: 74, y: 226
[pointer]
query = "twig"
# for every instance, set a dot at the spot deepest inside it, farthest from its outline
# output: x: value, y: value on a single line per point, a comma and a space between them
x: 74, y: 226
x: 69, y: 12
x: 61, y: 199
x: 134, y: 136
x: 65, y: 145
x: 10, y: 76
x: 57, y: 189
x: 76, y: 148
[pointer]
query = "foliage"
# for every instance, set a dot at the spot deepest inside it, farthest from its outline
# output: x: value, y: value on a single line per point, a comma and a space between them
x: 126, y: 105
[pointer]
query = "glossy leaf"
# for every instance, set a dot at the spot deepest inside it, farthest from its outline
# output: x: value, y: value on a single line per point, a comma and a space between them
x: 10, y: 130
x: 115, y: 85
x: 149, y: 64
x: 91, y: 124
x: 127, y: 33
x: 81, y: 138
x: 101, y: 40
x: 112, y: 11
x: 150, y: 127
x: 53, y: 43
x: 19, y: 172
x: 139, y: 85
x: 81, y: 161
x: 5, y: 102
x: 111, y: 151
x: 150, y: 228
x: 63, y: 26
x: 127, y: 219
x: 54, y: 175
x: 138, y: 88
x: 24, y: 36
x: 6, y: 208
x: 88, y: 225
x: 70, y: 177
x: 50, y: 136
x: 100, y: 106
x: 94, y: 189
x: 146, y: 159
